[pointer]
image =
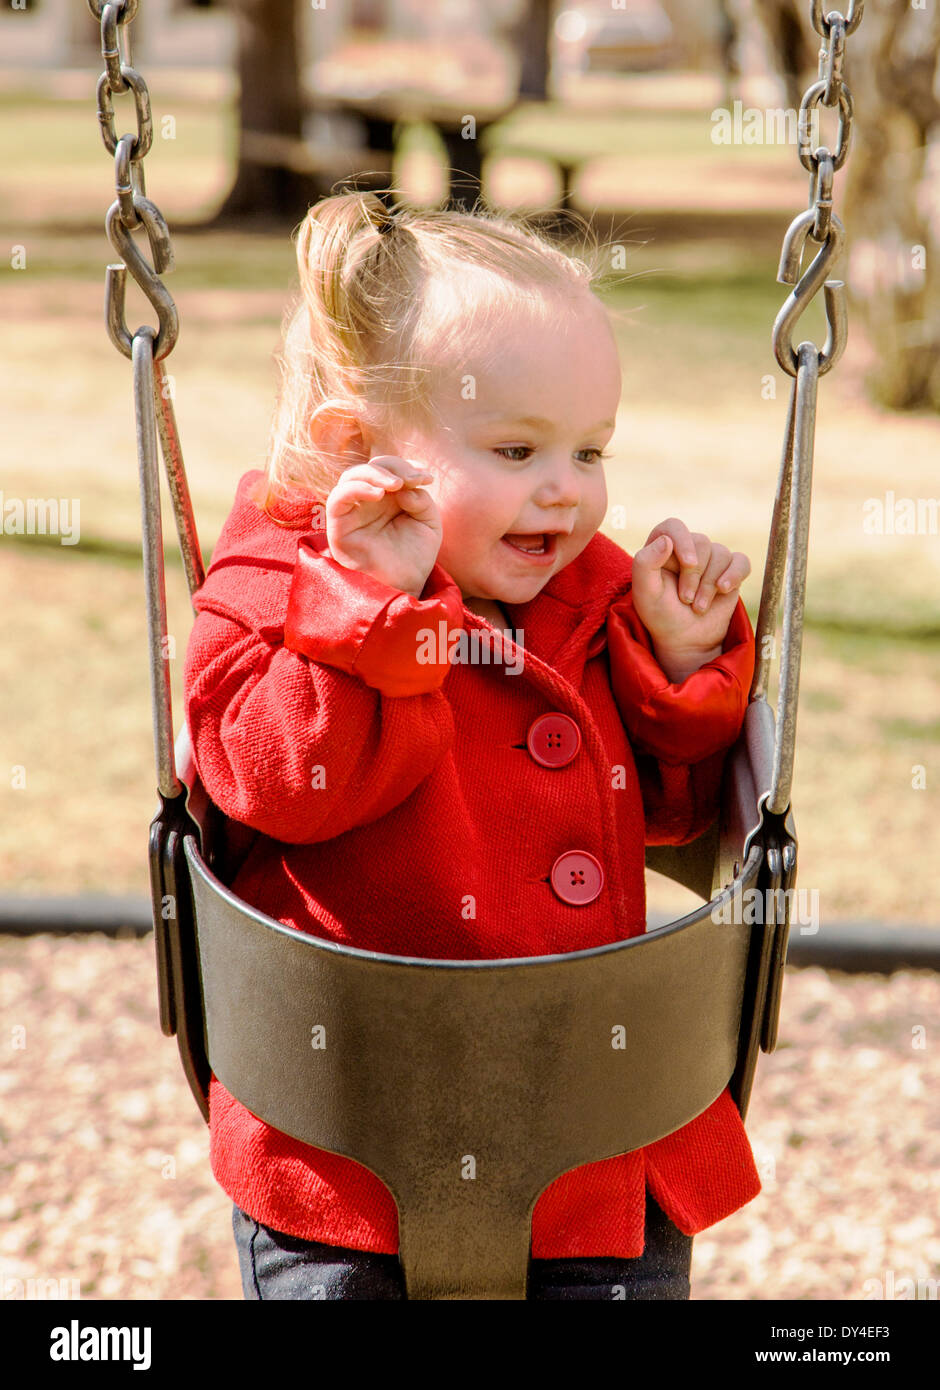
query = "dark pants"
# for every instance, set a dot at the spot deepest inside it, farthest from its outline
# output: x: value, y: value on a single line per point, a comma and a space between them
x: 274, y: 1265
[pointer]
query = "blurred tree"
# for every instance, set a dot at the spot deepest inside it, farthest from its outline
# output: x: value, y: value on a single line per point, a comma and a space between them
x: 728, y: 45
x: 272, y: 182
x: 793, y: 43
x: 83, y: 43
x: 530, y: 35
x: 892, y: 190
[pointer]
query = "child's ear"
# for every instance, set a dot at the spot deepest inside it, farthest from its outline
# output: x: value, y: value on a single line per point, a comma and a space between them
x: 336, y: 432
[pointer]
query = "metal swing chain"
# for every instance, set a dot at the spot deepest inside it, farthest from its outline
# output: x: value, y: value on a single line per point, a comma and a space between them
x: 789, y: 530
x: 147, y: 348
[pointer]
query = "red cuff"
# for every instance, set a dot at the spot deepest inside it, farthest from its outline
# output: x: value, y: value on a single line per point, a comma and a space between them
x: 392, y: 641
x: 688, y: 721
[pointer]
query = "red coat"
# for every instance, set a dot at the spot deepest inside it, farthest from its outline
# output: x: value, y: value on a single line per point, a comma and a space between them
x: 402, y: 810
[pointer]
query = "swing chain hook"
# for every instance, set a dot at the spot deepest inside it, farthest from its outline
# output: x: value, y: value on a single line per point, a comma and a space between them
x: 147, y: 277
x: 132, y: 208
x: 806, y: 286
x: 785, y: 564
x: 819, y: 223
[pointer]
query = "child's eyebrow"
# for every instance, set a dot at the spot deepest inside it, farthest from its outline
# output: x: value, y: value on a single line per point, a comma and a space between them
x: 537, y: 422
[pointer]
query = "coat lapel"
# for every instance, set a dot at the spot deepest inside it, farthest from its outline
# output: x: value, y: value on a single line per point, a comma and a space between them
x: 560, y: 623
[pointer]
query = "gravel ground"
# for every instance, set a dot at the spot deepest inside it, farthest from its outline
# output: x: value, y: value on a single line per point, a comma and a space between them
x: 106, y: 1177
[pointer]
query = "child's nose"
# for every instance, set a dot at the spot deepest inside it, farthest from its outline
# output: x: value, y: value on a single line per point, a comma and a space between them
x: 561, y: 485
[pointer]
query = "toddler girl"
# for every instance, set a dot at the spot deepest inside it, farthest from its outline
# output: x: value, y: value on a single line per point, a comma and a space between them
x: 452, y: 708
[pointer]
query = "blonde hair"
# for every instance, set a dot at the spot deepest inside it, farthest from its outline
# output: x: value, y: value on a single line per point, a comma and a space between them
x: 388, y: 304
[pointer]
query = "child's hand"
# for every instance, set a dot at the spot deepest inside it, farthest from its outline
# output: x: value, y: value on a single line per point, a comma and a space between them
x: 685, y: 589
x: 381, y: 521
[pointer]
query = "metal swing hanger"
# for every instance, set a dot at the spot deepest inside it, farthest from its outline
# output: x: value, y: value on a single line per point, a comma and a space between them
x: 805, y: 364
x: 702, y: 994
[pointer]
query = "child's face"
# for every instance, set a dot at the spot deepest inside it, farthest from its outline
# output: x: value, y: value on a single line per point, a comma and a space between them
x: 498, y: 473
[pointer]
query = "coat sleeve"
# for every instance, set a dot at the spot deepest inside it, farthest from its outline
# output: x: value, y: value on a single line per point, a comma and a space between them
x: 680, y: 733
x: 327, y: 723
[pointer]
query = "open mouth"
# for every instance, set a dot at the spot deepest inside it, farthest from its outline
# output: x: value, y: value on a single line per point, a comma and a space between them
x: 537, y: 547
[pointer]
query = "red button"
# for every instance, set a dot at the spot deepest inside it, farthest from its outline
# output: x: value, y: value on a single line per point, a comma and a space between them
x: 553, y: 739
x: 577, y: 877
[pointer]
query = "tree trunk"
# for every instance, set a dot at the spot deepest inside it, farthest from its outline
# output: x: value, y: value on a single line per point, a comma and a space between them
x: 531, y: 38
x: 271, y: 183
x: 892, y: 209
x: 793, y: 45
x: 83, y: 41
